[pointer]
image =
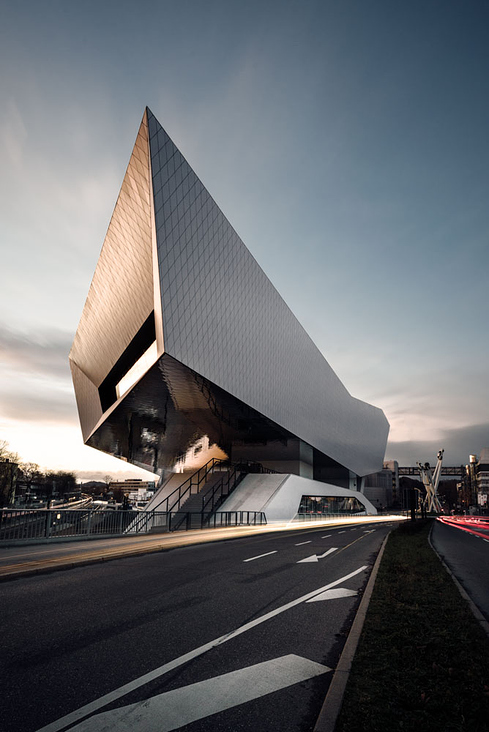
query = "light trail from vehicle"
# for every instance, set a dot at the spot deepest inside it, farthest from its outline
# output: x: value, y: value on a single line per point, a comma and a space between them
x: 468, y: 524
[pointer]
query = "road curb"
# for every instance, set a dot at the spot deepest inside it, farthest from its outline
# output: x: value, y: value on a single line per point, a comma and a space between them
x: 330, y: 710
x: 475, y: 610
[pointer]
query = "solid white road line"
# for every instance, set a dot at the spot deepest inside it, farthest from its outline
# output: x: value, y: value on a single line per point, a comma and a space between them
x: 251, y: 559
x: 102, y: 701
x: 174, y: 709
x: 316, y: 557
x: 333, y: 594
x: 304, y: 542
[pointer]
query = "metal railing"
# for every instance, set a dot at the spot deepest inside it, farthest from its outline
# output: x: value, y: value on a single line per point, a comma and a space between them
x: 193, y: 520
x: 45, y: 524
x: 226, y: 485
x: 234, y: 472
x: 192, y: 485
x: 328, y: 516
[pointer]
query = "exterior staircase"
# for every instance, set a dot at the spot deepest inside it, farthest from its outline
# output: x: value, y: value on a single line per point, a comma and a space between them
x: 192, y: 503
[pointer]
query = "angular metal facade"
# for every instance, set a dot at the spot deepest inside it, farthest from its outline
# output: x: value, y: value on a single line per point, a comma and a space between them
x: 229, y: 358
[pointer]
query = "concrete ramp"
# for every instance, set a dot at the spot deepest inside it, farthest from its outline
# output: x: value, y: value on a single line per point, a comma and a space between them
x: 279, y: 495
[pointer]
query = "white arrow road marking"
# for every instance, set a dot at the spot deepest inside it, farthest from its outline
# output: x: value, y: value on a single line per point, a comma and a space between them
x: 251, y: 559
x: 174, y: 709
x: 333, y: 594
x: 316, y: 557
x: 304, y: 542
x: 103, y: 701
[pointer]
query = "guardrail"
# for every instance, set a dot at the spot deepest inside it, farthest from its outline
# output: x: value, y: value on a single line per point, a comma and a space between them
x: 327, y: 516
x: 215, y: 520
x: 47, y: 524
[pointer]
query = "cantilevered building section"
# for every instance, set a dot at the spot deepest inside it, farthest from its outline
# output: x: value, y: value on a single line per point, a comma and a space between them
x: 184, y: 343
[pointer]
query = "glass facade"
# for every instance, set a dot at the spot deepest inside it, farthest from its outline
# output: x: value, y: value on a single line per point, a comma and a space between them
x: 329, y: 504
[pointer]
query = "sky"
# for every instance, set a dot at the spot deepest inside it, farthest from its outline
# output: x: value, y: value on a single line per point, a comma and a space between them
x: 346, y: 142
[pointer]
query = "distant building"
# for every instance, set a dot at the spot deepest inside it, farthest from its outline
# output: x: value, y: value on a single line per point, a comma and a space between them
x: 135, y: 488
x: 474, y: 488
x: 482, y: 472
x: 382, y: 488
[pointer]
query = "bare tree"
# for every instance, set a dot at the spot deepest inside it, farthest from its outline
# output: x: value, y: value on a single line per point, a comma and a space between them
x: 7, y: 454
x: 107, y: 480
x: 30, y: 475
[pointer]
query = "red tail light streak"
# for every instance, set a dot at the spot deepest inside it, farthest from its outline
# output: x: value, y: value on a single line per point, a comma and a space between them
x: 475, y: 525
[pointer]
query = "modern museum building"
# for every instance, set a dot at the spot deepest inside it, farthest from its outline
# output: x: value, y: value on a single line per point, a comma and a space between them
x: 187, y: 355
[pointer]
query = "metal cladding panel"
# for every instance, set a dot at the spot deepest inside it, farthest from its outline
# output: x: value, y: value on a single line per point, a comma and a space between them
x: 87, y: 400
x: 223, y: 318
x: 121, y: 294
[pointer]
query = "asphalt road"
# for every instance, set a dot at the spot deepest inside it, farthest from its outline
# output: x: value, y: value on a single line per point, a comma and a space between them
x: 467, y: 555
x: 234, y: 635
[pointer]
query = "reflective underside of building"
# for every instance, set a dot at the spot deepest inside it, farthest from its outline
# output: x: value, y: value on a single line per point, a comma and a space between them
x: 183, y: 337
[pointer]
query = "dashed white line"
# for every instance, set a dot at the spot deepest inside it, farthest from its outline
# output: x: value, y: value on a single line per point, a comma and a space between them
x: 260, y: 556
x: 341, y: 532
x: 304, y: 542
x: 327, y: 536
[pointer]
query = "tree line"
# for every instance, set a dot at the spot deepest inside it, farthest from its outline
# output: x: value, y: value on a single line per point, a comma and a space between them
x: 18, y: 477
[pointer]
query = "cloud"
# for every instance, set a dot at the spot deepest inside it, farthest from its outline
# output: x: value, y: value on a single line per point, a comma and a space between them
x: 45, y: 352
x: 48, y: 406
x: 458, y: 443
x: 13, y: 135
x: 35, y: 383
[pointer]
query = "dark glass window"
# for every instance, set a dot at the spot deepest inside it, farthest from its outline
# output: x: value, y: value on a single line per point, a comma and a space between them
x: 329, y: 505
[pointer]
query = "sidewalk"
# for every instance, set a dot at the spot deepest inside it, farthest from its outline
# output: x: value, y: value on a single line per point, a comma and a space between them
x: 24, y: 560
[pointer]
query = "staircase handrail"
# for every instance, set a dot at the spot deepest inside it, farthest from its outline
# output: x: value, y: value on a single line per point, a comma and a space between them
x: 196, y: 478
x: 230, y: 481
x: 200, y: 476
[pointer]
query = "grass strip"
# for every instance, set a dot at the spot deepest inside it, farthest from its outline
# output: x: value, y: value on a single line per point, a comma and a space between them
x: 423, y: 660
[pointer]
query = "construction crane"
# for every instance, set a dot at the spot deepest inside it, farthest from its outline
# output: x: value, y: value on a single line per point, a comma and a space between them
x: 430, y: 479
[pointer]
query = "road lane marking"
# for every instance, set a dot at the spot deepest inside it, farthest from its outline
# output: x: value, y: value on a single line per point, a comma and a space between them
x: 333, y: 594
x: 352, y: 529
x: 316, y: 557
x: 304, y: 542
x: 91, y: 707
x: 251, y: 559
x: 179, y: 707
x: 341, y: 532
x: 327, y: 537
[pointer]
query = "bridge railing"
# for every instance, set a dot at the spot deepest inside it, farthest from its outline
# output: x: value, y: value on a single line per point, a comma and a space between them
x: 58, y: 524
